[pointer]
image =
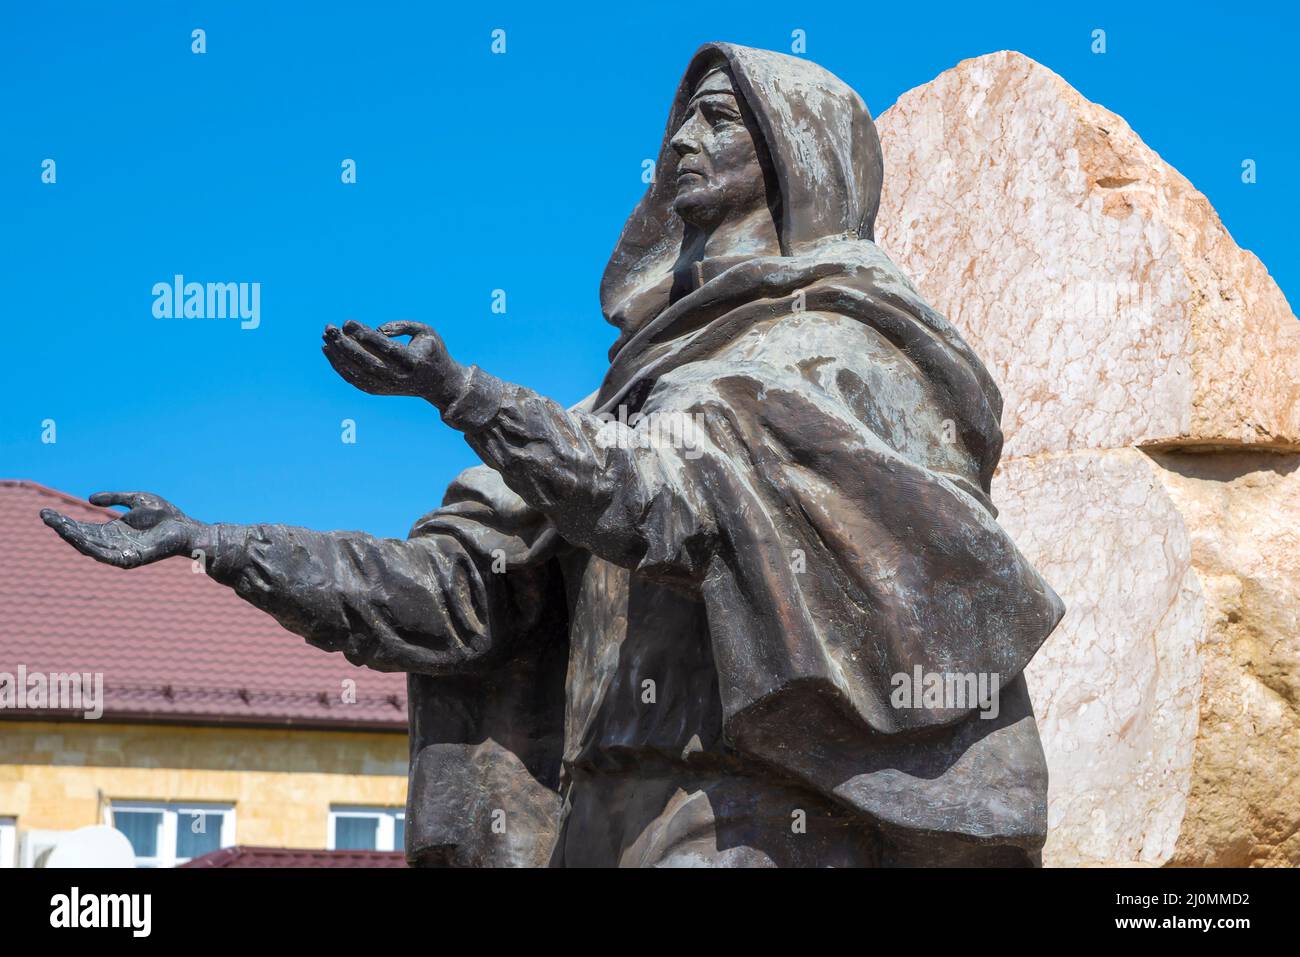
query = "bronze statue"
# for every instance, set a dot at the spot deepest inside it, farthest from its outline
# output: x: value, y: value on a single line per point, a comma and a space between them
x: 631, y: 646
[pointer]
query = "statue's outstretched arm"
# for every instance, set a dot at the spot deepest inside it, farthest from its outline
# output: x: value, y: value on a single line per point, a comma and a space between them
x: 605, y: 488
x: 390, y: 604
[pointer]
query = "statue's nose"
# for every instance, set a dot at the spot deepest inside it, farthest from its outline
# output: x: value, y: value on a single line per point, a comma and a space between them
x: 684, y: 140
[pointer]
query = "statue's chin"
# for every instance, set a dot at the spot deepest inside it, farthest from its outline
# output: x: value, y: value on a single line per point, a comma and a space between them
x: 697, y: 207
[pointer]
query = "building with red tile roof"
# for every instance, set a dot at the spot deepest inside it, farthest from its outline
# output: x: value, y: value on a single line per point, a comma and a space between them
x: 172, y: 644
x: 211, y: 710
x: 243, y: 856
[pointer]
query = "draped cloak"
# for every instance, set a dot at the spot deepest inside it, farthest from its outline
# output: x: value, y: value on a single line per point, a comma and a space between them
x: 830, y: 529
x: 835, y: 521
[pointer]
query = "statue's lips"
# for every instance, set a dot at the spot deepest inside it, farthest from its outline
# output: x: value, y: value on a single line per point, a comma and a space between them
x: 683, y: 173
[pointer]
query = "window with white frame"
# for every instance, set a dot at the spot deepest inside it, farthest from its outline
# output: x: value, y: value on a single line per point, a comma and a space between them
x: 367, y: 829
x: 8, y: 842
x: 167, y: 834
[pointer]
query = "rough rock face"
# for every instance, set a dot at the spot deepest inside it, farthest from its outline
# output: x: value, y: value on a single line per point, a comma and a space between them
x: 1116, y: 687
x: 1243, y: 514
x: 1151, y: 371
x: 1098, y: 284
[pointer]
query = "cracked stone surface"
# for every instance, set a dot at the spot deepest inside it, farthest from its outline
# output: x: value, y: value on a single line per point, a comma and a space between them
x: 1097, y: 284
x: 1117, y: 314
x: 1116, y: 686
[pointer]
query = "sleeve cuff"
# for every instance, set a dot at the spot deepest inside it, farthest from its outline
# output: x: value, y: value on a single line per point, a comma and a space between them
x: 230, y: 550
x: 475, y: 408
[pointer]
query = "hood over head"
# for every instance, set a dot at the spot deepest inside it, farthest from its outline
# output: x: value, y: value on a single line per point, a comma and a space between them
x: 823, y: 148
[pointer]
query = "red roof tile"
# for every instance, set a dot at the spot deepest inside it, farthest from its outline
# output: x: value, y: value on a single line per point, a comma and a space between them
x: 244, y: 856
x: 172, y: 645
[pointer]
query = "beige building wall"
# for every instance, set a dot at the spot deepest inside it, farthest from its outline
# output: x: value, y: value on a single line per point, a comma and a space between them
x: 59, y: 776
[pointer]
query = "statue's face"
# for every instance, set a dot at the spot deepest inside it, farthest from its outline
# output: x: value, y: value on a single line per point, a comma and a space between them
x: 718, y: 171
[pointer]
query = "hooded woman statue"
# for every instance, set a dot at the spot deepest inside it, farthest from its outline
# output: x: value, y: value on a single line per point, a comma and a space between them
x: 747, y: 604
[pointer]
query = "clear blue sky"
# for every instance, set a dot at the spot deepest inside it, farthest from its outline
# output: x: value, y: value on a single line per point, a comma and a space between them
x: 475, y: 172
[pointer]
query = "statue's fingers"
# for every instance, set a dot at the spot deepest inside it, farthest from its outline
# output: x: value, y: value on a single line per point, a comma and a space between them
x: 146, y: 509
x: 87, y: 538
x: 379, y: 345
x: 339, y: 359
x: 129, y: 499
x: 344, y: 367
x: 352, y: 357
x: 69, y: 530
x: 405, y: 327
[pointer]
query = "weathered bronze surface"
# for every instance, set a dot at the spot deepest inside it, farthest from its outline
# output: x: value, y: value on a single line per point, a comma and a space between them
x: 674, y: 624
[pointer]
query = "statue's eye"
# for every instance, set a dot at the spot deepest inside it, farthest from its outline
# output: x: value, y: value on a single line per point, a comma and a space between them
x: 721, y: 114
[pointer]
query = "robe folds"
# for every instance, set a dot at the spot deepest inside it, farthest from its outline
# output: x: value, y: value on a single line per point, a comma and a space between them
x: 626, y: 649
x: 831, y: 520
